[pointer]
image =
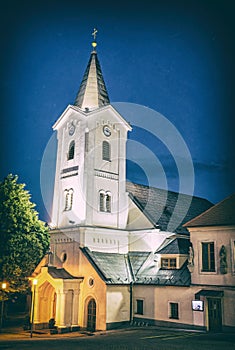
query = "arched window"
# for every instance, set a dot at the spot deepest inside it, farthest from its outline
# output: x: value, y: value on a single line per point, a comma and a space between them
x: 108, y: 202
x: 102, y: 201
x: 68, y: 199
x: 105, y: 201
x: 71, y: 150
x: 106, y: 150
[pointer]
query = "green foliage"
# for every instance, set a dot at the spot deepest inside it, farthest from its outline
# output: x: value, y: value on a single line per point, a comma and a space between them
x: 24, y: 239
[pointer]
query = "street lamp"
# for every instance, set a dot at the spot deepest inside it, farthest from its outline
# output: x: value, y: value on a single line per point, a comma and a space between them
x: 35, y: 281
x: 4, y: 285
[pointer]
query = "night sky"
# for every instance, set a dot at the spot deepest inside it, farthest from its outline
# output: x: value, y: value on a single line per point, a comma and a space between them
x: 174, y: 57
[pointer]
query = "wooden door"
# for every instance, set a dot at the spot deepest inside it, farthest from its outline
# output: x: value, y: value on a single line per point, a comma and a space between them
x: 91, y: 315
x: 215, y: 314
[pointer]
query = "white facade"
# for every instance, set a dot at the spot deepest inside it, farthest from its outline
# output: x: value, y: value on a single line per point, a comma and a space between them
x: 86, y: 174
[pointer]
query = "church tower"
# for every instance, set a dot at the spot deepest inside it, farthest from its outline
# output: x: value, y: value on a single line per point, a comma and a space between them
x: 90, y: 180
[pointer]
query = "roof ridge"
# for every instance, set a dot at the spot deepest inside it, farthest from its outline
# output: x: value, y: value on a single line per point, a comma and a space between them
x: 167, y: 190
x: 220, y: 203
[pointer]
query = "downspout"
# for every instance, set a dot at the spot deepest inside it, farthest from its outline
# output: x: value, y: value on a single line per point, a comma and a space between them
x: 131, y: 302
x: 132, y: 281
x: 118, y: 211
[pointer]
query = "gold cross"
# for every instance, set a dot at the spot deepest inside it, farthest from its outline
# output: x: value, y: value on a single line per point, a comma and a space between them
x: 94, y: 33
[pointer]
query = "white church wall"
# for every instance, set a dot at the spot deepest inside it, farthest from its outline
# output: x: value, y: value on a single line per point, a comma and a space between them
x: 106, y: 240
x: 147, y: 240
x: 136, y: 218
x: 118, y: 304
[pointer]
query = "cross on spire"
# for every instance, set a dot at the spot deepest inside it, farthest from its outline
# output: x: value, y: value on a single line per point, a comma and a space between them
x: 94, y: 33
x: 94, y: 43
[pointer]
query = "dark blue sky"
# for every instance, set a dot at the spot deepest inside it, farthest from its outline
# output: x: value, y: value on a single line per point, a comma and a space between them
x: 175, y: 57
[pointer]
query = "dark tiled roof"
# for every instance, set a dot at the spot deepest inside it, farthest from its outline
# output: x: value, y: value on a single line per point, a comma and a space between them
x: 137, y: 267
x: 221, y: 214
x: 60, y: 273
x: 137, y: 259
x: 112, y: 267
x: 174, y: 245
x: 174, y: 277
x: 103, y: 98
x: 166, y: 209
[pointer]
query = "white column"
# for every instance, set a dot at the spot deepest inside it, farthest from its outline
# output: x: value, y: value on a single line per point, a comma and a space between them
x: 75, y: 307
x: 60, y: 309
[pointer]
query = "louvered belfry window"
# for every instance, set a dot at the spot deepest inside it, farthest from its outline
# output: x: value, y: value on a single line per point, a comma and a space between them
x: 106, y: 150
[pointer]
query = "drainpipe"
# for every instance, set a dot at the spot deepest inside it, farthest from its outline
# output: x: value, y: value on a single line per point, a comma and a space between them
x: 132, y: 281
x: 131, y: 302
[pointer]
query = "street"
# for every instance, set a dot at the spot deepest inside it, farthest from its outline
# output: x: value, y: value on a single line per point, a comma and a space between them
x: 131, y: 339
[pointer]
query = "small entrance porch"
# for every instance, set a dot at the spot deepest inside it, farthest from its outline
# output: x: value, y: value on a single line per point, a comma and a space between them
x: 56, y: 297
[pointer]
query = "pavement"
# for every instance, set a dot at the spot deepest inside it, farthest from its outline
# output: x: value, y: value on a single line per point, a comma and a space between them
x: 13, y: 330
x: 17, y: 333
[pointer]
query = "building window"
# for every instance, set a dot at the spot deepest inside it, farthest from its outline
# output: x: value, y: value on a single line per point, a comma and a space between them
x: 86, y: 141
x: 168, y: 263
x: 91, y: 282
x: 139, y: 307
x: 63, y: 257
x: 174, y: 310
x: 102, y: 201
x: 208, y: 257
x: 68, y: 199
x: 71, y: 150
x: 108, y: 202
x: 106, y: 150
x: 105, y: 201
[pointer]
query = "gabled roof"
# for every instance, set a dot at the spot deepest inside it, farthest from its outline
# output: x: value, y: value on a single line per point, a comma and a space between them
x: 112, y: 267
x: 221, y: 214
x: 174, y: 245
x: 92, y: 92
x: 159, y: 205
x: 135, y: 267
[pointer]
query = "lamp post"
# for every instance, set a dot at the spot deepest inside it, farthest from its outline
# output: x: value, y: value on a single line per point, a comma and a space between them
x: 4, y: 285
x: 33, y: 306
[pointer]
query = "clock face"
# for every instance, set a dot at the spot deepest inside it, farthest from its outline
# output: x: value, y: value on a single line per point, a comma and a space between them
x: 106, y: 130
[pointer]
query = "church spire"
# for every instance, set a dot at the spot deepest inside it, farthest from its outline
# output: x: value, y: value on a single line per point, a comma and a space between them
x: 92, y: 92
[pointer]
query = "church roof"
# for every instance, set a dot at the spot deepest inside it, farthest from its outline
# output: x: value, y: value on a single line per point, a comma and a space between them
x: 135, y: 267
x: 112, y: 267
x: 158, y: 276
x: 159, y: 206
x: 221, y: 214
x: 92, y: 92
x: 60, y: 273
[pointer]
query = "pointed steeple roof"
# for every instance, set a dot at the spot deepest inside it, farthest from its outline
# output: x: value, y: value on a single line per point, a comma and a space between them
x: 92, y: 92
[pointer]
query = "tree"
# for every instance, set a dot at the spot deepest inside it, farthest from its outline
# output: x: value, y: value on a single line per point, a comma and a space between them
x: 24, y: 239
